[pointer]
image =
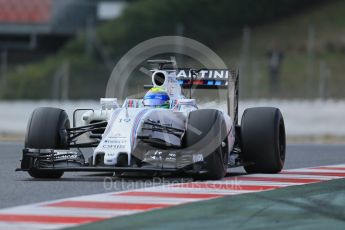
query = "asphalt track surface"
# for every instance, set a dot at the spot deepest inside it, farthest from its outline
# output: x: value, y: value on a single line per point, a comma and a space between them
x: 17, y: 188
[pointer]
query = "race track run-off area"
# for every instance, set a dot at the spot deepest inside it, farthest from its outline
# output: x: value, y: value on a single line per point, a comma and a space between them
x: 81, y: 210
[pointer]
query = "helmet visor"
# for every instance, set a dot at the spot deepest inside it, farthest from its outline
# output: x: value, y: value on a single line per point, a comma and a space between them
x: 154, y: 102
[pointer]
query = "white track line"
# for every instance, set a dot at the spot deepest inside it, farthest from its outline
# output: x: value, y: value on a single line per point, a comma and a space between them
x: 294, y: 176
x: 136, y: 199
x: 317, y: 170
x: 56, y: 211
x: 31, y: 226
x: 190, y: 191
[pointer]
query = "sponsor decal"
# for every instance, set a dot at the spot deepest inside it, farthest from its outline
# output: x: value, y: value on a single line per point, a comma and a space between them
x: 183, y: 74
x: 116, y: 135
x: 127, y: 119
x: 218, y: 74
x: 115, y: 141
x: 198, y: 158
x: 110, y: 146
x: 68, y: 155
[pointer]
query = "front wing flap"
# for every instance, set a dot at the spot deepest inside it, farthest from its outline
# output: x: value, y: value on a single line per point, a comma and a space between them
x: 73, y: 161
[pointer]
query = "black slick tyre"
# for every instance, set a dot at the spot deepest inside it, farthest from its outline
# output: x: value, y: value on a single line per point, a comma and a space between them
x: 263, y: 140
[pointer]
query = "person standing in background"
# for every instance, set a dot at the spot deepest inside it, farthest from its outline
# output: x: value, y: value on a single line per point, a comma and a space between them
x: 275, y: 57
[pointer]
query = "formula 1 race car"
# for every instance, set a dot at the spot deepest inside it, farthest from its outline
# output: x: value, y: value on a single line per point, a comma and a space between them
x: 164, y: 132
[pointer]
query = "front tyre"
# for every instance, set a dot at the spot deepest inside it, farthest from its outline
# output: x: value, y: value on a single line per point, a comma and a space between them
x: 47, y: 129
x: 263, y: 140
x: 39, y: 174
x: 206, y: 130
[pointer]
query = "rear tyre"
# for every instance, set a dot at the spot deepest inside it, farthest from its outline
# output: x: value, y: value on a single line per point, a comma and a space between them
x: 263, y: 140
x: 205, y: 133
x: 47, y: 129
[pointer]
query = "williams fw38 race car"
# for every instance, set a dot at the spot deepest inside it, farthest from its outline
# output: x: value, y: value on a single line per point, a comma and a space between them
x: 162, y: 133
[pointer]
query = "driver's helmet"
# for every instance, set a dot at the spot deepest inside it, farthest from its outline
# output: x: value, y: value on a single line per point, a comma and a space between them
x: 157, y: 97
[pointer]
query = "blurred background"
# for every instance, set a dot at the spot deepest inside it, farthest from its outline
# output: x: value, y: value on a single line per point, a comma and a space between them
x: 290, y: 54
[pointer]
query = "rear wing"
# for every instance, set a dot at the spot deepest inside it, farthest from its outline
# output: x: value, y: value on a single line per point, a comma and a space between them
x: 203, y: 78
x: 213, y: 79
